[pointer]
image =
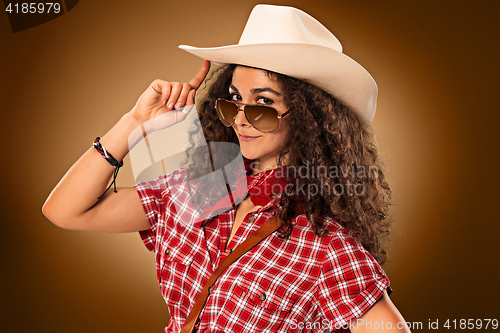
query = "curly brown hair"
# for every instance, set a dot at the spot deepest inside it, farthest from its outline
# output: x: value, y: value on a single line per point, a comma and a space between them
x: 334, y: 145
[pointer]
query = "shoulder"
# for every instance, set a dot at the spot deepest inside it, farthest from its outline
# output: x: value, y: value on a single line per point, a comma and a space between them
x: 337, y: 243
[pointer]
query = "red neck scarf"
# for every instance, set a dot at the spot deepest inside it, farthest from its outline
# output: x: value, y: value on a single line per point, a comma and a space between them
x: 266, y: 185
x: 262, y: 188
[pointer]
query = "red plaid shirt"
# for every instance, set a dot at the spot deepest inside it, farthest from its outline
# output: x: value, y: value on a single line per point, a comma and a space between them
x: 304, y: 284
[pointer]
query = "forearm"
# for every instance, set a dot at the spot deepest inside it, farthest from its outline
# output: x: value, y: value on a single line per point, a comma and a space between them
x: 87, y: 179
x: 383, y: 316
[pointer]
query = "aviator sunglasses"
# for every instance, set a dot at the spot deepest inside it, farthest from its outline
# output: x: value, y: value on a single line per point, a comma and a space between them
x: 262, y: 117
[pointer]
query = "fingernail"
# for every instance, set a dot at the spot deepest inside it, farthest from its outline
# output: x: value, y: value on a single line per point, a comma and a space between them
x: 178, y: 106
x: 164, y: 102
x: 171, y: 105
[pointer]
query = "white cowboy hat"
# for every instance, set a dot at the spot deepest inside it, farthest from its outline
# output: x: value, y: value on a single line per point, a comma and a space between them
x: 288, y: 41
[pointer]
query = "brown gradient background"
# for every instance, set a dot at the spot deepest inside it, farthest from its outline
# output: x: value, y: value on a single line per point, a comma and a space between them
x: 67, y: 81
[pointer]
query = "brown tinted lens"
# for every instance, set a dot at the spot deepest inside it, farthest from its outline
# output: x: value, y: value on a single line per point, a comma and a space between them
x: 226, y: 111
x: 263, y: 118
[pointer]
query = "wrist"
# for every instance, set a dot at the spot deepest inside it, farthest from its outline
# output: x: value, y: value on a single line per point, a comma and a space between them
x: 116, y: 140
x: 131, y: 120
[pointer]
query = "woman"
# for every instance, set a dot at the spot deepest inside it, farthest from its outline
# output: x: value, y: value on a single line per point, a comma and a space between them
x: 299, y: 110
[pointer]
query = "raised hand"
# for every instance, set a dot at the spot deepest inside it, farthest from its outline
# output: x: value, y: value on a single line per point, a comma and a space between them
x: 162, y: 96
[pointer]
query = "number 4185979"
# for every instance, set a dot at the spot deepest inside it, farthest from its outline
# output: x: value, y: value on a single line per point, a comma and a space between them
x: 471, y: 324
x: 34, y: 7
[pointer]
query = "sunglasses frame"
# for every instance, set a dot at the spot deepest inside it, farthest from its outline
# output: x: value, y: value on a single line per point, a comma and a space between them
x: 238, y: 105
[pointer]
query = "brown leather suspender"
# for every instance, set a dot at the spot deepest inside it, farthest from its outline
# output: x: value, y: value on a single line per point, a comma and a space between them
x: 268, y: 228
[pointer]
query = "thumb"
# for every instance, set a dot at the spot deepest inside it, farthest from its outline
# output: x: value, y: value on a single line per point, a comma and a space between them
x: 200, y: 76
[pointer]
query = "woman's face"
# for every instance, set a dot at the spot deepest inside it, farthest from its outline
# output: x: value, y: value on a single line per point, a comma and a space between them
x: 253, y: 86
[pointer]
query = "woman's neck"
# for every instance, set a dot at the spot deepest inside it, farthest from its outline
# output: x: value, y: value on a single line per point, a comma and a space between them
x: 260, y: 165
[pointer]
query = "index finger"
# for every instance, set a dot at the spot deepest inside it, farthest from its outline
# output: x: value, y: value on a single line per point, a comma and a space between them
x: 200, y: 76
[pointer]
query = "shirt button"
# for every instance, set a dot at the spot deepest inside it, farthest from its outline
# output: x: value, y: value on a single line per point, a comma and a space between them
x: 230, y: 251
x: 262, y: 297
x: 167, y: 252
x: 251, y: 219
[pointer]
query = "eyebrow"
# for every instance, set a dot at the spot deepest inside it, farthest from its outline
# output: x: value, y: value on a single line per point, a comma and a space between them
x: 258, y: 90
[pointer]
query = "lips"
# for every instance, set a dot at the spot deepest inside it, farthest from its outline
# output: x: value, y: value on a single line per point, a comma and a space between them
x: 248, y: 138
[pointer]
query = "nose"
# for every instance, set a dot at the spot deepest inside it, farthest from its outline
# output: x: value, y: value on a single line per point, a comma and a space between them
x: 241, y: 119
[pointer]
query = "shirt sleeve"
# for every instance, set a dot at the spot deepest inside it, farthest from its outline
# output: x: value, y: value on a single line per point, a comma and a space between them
x: 152, y: 194
x: 351, y: 280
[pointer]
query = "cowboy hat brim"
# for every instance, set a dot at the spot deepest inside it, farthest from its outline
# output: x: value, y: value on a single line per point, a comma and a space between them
x: 328, y: 69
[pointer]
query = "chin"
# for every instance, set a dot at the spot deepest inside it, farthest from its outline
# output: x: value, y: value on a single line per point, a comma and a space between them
x: 249, y: 155
x: 252, y: 152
